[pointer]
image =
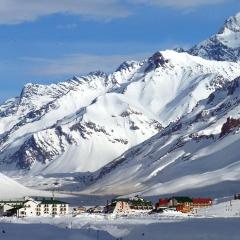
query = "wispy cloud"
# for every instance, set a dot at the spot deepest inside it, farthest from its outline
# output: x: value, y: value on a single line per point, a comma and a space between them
x: 78, y: 64
x: 178, y: 3
x: 18, y: 11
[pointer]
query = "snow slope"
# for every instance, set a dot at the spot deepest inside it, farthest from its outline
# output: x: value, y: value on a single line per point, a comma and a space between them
x: 167, y: 124
x: 10, y: 189
x: 200, y: 151
x: 83, y: 124
x: 131, y: 227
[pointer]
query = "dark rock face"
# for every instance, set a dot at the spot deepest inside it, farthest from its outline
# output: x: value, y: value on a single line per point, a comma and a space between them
x: 28, y: 153
x: 217, y: 47
x: 155, y: 61
x: 229, y: 126
x: 215, y: 50
x: 233, y: 86
x: 126, y: 66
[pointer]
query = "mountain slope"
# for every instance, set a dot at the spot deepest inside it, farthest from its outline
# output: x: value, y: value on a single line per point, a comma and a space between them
x: 224, y: 46
x: 84, y: 123
x: 200, y: 151
x: 10, y: 189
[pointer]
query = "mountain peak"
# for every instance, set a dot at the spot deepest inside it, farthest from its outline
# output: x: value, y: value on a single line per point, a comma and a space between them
x: 127, y: 65
x: 223, y: 46
x: 232, y: 24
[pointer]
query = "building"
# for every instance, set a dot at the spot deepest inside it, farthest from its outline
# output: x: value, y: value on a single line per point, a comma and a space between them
x: 79, y: 210
x: 96, y: 209
x: 201, y: 202
x: 14, y: 203
x: 52, y: 207
x: 138, y: 203
x: 118, y: 207
x: 30, y: 207
x: 4, y: 208
x: 10, y: 207
x: 162, y: 203
x: 237, y: 196
x: 127, y: 205
x: 27, y: 209
x: 181, y: 204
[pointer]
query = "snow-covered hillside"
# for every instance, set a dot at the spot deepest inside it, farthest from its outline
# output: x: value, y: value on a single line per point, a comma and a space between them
x: 224, y: 46
x: 198, y: 152
x: 11, y: 189
x: 166, y: 124
x: 84, y: 123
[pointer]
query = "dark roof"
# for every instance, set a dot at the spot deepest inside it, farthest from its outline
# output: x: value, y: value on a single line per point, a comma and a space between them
x: 52, y: 201
x: 120, y: 200
x: 12, y: 201
x: 135, y: 202
x: 15, y: 209
x: 182, y: 199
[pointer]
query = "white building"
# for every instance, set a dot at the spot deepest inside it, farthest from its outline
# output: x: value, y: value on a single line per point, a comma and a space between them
x: 28, y: 209
x: 118, y: 207
x: 52, y: 207
x: 7, y: 205
x: 4, y: 208
x: 32, y: 208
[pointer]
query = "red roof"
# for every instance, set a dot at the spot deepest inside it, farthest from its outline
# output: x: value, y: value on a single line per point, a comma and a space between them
x: 202, y: 200
x: 163, y: 201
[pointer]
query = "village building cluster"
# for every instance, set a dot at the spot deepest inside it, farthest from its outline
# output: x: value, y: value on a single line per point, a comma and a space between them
x: 34, y: 207
x: 183, y: 204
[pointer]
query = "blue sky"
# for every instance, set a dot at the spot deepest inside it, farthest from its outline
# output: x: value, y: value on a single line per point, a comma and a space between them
x: 51, y: 40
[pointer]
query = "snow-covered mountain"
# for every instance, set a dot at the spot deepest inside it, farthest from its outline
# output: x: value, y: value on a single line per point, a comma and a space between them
x: 224, y: 46
x: 84, y: 123
x: 198, y: 153
x: 167, y: 124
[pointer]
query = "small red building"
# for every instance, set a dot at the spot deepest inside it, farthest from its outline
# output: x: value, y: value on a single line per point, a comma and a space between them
x: 162, y: 203
x: 201, y: 202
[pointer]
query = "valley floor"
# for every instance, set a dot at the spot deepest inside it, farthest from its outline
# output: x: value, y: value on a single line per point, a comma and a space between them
x: 184, y: 229
x: 210, y: 224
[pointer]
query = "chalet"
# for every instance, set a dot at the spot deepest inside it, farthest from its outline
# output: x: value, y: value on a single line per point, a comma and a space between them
x: 118, y: 207
x: 201, y: 202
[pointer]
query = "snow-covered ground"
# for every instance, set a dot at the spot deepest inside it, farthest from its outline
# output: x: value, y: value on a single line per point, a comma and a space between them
x: 211, y: 224
x: 10, y: 189
x: 196, y: 229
